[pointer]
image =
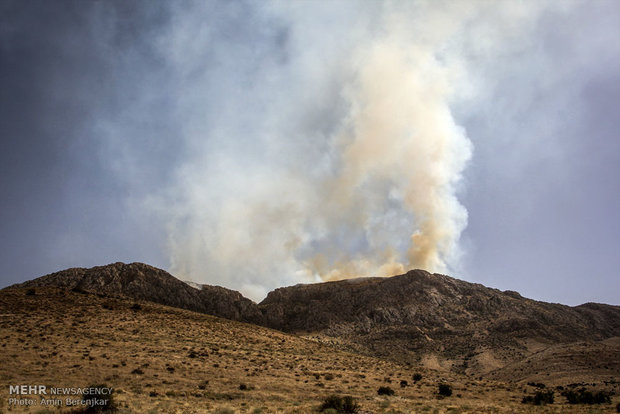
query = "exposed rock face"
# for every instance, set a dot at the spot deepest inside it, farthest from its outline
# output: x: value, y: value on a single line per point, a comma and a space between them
x: 417, y: 317
x: 419, y: 313
x: 143, y: 282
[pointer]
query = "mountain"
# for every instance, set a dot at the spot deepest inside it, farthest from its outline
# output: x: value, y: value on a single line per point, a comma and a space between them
x: 434, y: 319
x: 418, y: 318
x: 143, y: 282
x: 160, y: 359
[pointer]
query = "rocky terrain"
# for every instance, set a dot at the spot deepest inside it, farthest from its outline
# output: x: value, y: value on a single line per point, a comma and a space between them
x: 417, y: 319
x: 161, y: 359
x: 436, y: 320
x: 143, y: 282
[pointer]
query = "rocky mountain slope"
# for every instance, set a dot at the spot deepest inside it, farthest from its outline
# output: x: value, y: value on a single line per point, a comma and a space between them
x: 435, y: 319
x: 143, y: 282
x: 160, y: 359
x: 417, y: 318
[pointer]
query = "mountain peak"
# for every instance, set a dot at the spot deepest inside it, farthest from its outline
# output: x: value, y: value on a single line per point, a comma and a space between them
x: 144, y: 282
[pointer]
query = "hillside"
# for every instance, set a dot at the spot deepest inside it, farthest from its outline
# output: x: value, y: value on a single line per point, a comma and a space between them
x: 144, y: 282
x: 418, y: 318
x: 434, y: 319
x: 164, y: 359
x: 168, y: 360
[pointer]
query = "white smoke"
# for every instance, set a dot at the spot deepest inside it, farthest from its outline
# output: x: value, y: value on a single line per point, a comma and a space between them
x: 321, y: 138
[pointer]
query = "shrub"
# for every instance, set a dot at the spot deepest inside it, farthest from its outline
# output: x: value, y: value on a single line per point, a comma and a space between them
x: 31, y: 292
x: 136, y: 307
x: 445, y: 390
x: 536, y: 384
x: 385, y: 391
x: 540, y: 398
x: 340, y: 405
x: 403, y: 384
x: 583, y: 396
x: 224, y: 410
x: 89, y: 399
x: 417, y: 377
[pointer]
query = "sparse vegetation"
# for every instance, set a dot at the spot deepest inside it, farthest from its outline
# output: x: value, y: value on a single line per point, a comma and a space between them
x: 340, y: 405
x: 136, y: 307
x: 540, y: 398
x: 403, y: 384
x: 224, y: 410
x: 385, y: 391
x: 31, y: 292
x: 583, y: 396
x: 445, y: 390
x: 108, y: 345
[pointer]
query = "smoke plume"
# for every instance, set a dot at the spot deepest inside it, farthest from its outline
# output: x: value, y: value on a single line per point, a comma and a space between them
x: 321, y: 142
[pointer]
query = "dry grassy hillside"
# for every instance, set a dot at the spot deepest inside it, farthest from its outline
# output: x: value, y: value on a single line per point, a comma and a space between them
x: 167, y: 360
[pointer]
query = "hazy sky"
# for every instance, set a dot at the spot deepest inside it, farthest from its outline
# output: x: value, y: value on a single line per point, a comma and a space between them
x: 260, y: 144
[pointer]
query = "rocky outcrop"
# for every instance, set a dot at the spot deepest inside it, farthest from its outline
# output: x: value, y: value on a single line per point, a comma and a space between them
x: 413, y: 317
x: 420, y: 313
x: 143, y: 282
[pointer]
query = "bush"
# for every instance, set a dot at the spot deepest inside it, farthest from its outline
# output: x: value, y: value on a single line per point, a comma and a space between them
x: 540, y: 398
x: 340, y: 405
x: 403, y: 384
x: 136, y: 307
x: 224, y: 410
x: 90, y: 400
x: 385, y: 391
x: 584, y: 396
x: 445, y: 390
x: 536, y: 384
x: 31, y: 292
x: 417, y: 377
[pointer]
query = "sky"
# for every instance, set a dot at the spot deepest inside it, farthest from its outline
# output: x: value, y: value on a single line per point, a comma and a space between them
x: 255, y: 145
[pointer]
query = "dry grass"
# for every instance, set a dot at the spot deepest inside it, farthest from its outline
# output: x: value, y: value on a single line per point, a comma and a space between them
x: 166, y: 360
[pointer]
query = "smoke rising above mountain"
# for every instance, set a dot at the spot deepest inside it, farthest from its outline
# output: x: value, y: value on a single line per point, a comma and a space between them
x: 255, y: 145
x: 322, y: 141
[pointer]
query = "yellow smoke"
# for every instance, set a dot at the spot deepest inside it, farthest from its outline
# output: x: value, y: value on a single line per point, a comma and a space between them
x: 402, y: 134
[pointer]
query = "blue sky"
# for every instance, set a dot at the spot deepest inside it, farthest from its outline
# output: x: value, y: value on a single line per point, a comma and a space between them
x: 256, y: 145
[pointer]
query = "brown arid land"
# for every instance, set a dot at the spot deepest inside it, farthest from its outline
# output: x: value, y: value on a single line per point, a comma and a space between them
x: 163, y: 359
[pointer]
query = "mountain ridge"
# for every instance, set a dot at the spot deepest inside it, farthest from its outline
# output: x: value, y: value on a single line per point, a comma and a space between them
x: 415, y: 318
x: 144, y: 282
